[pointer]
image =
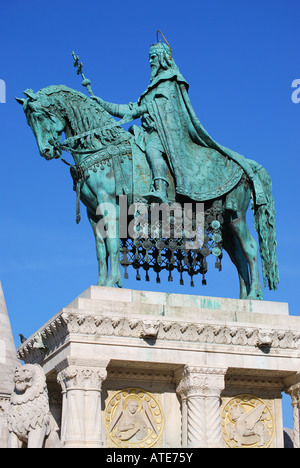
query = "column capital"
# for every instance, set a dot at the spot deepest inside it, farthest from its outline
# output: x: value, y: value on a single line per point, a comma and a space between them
x: 81, y: 374
x: 201, y: 381
x: 292, y: 387
x: 81, y: 383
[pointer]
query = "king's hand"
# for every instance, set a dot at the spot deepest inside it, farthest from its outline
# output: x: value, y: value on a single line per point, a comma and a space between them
x: 98, y: 99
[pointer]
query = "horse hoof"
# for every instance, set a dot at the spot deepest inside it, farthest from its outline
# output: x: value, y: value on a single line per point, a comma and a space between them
x: 102, y: 282
x: 113, y: 282
x: 255, y: 296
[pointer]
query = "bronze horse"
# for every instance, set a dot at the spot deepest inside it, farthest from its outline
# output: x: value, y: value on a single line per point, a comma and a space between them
x: 102, y: 153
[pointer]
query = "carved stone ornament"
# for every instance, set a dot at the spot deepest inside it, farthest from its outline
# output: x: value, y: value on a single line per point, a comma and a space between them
x: 248, y: 422
x: 28, y: 416
x: 164, y: 329
x: 133, y: 419
x: 150, y: 329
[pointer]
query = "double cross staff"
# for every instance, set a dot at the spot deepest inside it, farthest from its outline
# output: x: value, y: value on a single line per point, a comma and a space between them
x: 86, y: 82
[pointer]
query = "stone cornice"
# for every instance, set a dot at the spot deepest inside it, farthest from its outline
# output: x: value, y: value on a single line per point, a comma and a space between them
x: 155, y: 329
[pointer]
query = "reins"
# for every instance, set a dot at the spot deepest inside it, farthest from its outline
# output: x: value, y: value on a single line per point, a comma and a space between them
x: 64, y: 146
x: 77, y: 189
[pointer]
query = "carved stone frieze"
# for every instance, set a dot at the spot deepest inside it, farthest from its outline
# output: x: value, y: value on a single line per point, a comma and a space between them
x: 268, y: 384
x: 93, y: 324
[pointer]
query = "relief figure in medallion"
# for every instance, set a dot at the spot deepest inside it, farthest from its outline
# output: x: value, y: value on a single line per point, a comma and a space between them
x: 132, y: 420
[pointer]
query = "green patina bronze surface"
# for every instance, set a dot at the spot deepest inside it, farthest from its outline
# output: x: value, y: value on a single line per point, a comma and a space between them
x: 170, y: 157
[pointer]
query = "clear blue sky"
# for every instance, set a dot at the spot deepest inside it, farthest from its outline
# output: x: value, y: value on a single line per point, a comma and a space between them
x: 239, y: 57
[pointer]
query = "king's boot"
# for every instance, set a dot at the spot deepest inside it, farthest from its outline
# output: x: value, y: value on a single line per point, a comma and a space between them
x: 159, y: 194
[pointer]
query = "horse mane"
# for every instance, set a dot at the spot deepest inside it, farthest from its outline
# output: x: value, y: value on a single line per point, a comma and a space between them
x: 82, y: 113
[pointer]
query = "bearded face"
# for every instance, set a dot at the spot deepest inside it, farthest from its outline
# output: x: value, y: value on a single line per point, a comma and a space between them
x: 154, y: 64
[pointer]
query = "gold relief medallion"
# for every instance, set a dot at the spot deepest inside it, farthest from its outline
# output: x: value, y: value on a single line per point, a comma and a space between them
x: 133, y: 418
x: 247, y: 422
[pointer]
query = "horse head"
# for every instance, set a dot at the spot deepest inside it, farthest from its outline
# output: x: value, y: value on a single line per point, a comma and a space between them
x: 45, y: 124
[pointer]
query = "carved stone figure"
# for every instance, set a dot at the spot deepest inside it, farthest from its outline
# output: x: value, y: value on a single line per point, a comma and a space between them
x: 247, y: 425
x: 247, y: 422
x: 29, y: 419
x: 132, y: 423
x: 171, y: 154
x: 134, y: 419
x: 150, y: 329
x: 170, y: 127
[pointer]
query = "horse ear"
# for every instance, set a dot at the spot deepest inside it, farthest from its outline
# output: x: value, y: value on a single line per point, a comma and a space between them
x: 20, y: 101
x: 29, y: 93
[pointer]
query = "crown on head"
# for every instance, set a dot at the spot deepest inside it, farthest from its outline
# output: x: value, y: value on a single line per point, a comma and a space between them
x: 160, y: 47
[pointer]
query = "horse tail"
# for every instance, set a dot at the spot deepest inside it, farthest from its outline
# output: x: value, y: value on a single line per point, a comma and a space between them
x: 264, y: 223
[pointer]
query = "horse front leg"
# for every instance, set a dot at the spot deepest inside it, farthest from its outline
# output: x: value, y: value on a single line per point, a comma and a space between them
x: 115, y: 277
x: 100, y: 251
x: 109, y: 225
x: 113, y: 248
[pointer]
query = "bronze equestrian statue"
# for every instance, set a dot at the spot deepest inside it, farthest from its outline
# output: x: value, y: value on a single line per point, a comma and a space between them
x: 169, y: 159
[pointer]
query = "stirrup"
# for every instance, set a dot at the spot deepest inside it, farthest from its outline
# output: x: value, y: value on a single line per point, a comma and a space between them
x: 155, y: 197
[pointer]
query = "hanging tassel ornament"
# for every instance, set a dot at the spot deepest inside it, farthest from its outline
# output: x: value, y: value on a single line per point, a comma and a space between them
x: 78, y: 188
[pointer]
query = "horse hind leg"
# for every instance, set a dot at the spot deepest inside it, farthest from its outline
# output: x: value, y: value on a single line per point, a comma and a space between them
x: 233, y: 248
x: 238, y: 225
x: 249, y: 248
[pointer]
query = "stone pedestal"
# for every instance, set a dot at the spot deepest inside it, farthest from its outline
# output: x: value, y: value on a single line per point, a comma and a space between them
x: 143, y: 369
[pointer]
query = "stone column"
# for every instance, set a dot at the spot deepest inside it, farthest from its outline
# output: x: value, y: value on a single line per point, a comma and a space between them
x: 294, y: 391
x: 200, y: 389
x: 81, y: 382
